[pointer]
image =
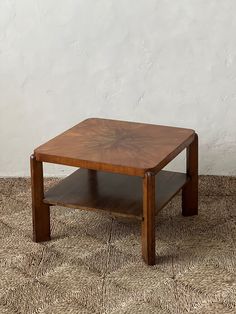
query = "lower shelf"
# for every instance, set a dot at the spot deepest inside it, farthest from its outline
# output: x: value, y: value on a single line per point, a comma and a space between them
x: 121, y: 195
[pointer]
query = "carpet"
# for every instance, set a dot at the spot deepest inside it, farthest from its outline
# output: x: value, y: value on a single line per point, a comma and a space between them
x: 93, y: 263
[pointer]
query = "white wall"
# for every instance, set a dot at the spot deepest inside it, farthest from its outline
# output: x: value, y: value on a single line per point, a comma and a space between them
x: 157, y: 61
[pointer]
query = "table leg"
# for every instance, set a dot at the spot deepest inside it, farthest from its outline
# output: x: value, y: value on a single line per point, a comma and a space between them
x: 148, y: 222
x: 40, y: 211
x: 190, y: 190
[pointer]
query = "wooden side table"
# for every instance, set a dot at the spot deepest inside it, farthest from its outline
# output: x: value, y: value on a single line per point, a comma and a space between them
x: 120, y: 172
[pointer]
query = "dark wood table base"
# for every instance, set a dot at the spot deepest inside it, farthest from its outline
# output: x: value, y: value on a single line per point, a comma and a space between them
x: 135, y: 196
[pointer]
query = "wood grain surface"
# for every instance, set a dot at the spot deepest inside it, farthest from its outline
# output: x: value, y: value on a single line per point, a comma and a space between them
x: 116, y: 146
x: 119, y: 194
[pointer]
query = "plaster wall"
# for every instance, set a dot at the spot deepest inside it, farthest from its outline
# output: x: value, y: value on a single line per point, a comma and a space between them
x: 156, y: 61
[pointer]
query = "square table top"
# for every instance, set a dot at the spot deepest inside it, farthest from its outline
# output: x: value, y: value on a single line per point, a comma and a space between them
x: 116, y: 146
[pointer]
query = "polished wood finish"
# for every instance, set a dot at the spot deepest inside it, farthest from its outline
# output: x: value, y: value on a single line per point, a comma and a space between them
x: 121, y: 195
x: 121, y: 172
x: 40, y: 210
x: 148, y: 223
x: 190, y: 190
x: 116, y: 146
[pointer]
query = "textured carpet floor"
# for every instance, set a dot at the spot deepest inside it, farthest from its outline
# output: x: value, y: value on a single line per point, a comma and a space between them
x: 93, y: 263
